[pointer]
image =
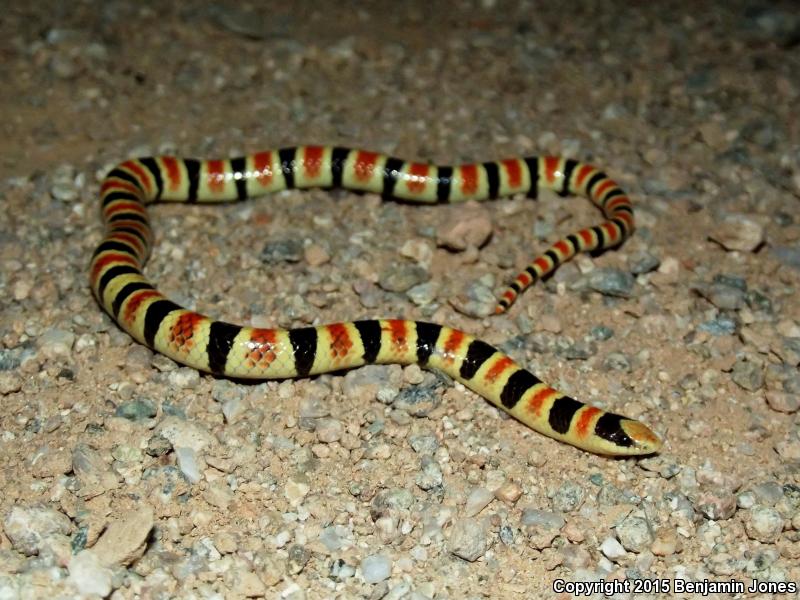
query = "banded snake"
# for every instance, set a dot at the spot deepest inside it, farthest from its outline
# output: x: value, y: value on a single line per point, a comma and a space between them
x: 237, y: 351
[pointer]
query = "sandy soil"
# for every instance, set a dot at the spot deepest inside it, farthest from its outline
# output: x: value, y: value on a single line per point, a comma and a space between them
x: 125, y: 475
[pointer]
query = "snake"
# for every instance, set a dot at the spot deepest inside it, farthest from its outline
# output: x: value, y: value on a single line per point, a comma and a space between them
x: 242, y: 352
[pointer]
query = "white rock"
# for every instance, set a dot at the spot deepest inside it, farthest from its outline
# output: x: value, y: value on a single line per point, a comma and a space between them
x: 612, y: 549
x: 376, y: 568
x: 27, y: 526
x: 88, y: 575
x: 188, y: 464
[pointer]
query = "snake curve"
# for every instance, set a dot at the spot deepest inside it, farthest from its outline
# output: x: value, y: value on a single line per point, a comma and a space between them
x: 237, y: 351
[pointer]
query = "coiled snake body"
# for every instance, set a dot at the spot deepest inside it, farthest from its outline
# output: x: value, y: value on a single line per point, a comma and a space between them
x: 247, y: 352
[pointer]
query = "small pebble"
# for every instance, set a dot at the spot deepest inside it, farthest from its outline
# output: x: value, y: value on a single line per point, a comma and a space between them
x: 183, y: 433
x: 296, y: 490
x: 510, y: 492
x: 642, y: 262
x: 768, y: 493
x: 575, y: 557
x: 340, y: 570
x: 748, y: 375
x: 507, y: 535
x: 738, y: 232
x: 580, y: 350
x: 667, y: 543
x: 601, y: 333
x: 764, y: 524
x: 568, y: 497
x: 247, y: 584
x: 390, y: 500
x: 732, y: 281
x: 611, y: 282
x: 188, y: 463
x: 315, y: 255
x: 413, y: 374
x: 334, y: 537
x: 419, y: 249
x: 787, y: 255
x: 471, y: 228
x: 125, y: 538
x: 758, y: 301
x: 329, y: 430
x: 279, y: 251
x: 89, y: 576
x: 423, y: 294
x: 782, y: 401
x: 158, y: 445
x: 542, y: 519
x: 477, y: 301
x: 137, y: 410
x: 376, y: 568
x: 56, y: 343
x: 125, y: 453
x: 430, y: 474
x: 717, y: 505
x: 723, y: 325
x: 400, y: 277
x: 573, y: 532
x: 478, y: 499
x: 9, y: 383
x: 218, y: 494
x: 424, y: 443
x: 50, y: 462
x: 550, y: 323
x: 634, y: 534
x: 724, y: 297
x: 468, y: 539
x: 184, y: 378
x: 234, y: 409
x: 612, y: 549
x: 225, y: 390
x: 723, y: 564
x: 617, y: 361
x: 226, y: 542
x: 27, y: 526
x: 92, y: 471
x: 298, y: 558
x: 746, y: 499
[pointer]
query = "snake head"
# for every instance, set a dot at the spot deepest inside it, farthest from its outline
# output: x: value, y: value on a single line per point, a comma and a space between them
x: 644, y: 441
x: 615, y: 435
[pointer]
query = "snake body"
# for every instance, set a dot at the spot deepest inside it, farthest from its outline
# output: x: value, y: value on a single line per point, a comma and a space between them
x: 263, y: 353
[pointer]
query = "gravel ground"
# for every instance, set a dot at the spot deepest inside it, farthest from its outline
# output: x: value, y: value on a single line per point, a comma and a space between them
x: 126, y: 475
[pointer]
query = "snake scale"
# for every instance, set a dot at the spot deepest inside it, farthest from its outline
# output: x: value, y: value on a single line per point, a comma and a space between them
x: 237, y: 351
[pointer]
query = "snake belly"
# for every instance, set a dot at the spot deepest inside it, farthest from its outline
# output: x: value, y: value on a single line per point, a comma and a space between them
x: 239, y: 351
